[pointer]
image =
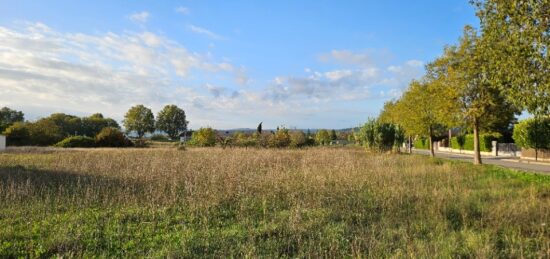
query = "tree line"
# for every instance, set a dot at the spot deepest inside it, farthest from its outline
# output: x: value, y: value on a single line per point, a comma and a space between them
x: 481, y: 83
x: 64, y: 130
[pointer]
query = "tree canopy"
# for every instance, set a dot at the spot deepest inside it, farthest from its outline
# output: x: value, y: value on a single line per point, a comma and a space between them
x: 139, y: 119
x: 171, y: 119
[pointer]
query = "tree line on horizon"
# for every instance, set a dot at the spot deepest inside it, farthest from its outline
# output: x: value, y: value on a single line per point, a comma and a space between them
x: 63, y: 130
x: 66, y: 130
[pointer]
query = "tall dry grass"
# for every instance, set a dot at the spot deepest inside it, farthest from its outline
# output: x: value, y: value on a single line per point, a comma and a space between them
x: 257, y: 202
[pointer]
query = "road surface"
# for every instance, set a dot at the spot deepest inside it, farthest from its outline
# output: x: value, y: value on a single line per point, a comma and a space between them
x: 507, y: 162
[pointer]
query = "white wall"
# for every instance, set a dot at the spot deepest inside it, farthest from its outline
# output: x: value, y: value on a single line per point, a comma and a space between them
x: 2, y: 142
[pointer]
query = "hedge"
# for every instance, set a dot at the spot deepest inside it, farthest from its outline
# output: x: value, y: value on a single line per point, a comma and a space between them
x: 421, y: 143
x: 531, y: 133
x: 76, y: 141
x: 485, y: 141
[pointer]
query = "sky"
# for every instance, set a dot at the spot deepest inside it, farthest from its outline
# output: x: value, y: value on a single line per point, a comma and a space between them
x: 228, y: 64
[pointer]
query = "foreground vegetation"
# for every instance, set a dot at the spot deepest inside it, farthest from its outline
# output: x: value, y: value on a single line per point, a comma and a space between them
x: 257, y: 202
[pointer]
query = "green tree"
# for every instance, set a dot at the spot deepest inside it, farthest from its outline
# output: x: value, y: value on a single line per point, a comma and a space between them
x: 69, y: 125
x: 17, y: 134
x: 480, y: 97
x: 259, y: 128
x: 518, y: 33
x: 171, y: 119
x: 533, y: 133
x: 92, y: 125
x: 425, y: 109
x: 8, y: 117
x: 333, y: 135
x: 44, y: 132
x: 139, y: 119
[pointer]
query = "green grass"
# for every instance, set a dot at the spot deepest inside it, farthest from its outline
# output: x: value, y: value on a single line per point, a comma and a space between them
x: 317, y: 202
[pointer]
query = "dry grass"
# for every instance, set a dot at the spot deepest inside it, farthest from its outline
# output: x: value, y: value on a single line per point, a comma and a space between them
x: 256, y: 202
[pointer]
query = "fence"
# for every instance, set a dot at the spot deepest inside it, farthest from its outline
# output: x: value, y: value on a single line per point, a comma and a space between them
x: 498, y: 149
x: 532, y: 154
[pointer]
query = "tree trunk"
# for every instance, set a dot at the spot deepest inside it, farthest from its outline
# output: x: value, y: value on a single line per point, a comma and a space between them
x: 477, y: 153
x: 409, y: 145
x: 432, y: 152
x: 536, y: 137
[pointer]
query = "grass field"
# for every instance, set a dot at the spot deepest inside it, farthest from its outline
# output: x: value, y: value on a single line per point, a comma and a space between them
x: 317, y: 202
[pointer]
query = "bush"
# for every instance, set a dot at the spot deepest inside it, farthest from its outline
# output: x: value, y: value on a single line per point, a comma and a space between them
x: 466, y: 142
x: 421, y: 143
x: 112, y: 137
x: 17, y: 134
x: 379, y: 136
x: 204, y: 137
x: 243, y: 140
x: 76, y: 141
x: 298, y: 139
x: 279, y: 139
x: 531, y: 133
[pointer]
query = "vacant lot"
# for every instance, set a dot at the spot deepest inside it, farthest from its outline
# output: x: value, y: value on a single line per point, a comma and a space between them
x: 256, y: 202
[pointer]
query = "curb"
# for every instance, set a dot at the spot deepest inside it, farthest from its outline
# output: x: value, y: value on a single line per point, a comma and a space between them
x: 526, y: 162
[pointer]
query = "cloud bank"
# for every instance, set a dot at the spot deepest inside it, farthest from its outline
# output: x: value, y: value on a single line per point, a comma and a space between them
x: 43, y: 70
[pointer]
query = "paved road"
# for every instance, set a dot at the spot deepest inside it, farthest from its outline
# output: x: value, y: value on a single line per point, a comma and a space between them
x: 500, y: 161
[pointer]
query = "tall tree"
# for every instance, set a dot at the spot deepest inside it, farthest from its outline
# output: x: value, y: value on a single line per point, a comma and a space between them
x: 333, y: 135
x: 259, y: 129
x: 8, y: 117
x: 139, y: 119
x: 519, y: 35
x: 171, y: 119
x: 425, y: 109
x: 69, y: 124
x: 468, y: 69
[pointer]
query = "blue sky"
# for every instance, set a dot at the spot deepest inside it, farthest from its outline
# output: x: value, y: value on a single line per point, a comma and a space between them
x: 229, y: 64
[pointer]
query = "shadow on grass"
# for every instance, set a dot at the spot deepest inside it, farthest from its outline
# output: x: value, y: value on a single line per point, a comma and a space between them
x: 26, y: 184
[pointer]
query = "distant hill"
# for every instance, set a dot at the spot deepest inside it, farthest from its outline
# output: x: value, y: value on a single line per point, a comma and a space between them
x: 249, y: 130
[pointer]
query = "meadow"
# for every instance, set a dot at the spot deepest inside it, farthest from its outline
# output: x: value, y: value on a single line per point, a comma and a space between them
x: 316, y: 202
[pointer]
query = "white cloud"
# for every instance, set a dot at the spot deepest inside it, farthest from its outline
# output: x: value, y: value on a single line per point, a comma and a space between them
x: 140, y: 17
x: 203, y: 31
x: 182, y: 10
x: 361, y: 77
x: 84, y: 73
x: 44, y: 71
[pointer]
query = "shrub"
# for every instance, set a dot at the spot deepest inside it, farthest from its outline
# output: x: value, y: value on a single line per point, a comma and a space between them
x: 243, y: 140
x: 421, y: 143
x: 466, y: 142
x: 76, y: 141
x: 112, y: 137
x: 279, y: 139
x: 91, y: 126
x: 531, y: 133
x: 379, y: 136
x: 204, y: 137
x: 298, y: 139
x: 17, y: 134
